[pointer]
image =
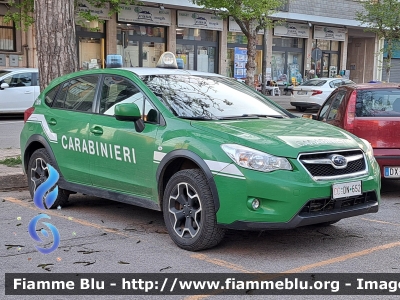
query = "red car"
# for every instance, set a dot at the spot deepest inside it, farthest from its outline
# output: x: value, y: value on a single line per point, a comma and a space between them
x: 370, y: 111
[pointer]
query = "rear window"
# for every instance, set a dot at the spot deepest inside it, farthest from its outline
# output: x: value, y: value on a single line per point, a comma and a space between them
x: 314, y: 82
x: 378, y: 103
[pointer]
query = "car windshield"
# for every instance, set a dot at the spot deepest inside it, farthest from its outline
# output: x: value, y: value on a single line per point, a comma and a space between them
x: 314, y: 82
x: 210, y: 97
x: 2, y: 72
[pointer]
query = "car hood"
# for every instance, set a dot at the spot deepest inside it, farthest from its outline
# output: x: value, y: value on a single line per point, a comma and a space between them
x: 281, y: 137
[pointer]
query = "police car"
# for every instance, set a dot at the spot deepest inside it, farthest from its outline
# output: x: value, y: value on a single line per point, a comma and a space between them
x: 208, y: 151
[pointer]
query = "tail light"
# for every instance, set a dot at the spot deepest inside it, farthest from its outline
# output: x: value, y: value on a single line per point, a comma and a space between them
x: 28, y: 113
x: 351, y: 112
x: 316, y: 92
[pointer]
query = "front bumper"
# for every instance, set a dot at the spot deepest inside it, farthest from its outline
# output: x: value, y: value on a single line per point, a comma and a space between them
x: 303, y: 218
x: 285, y: 195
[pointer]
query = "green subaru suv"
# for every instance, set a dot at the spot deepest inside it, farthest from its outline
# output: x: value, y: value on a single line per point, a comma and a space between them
x: 208, y: 151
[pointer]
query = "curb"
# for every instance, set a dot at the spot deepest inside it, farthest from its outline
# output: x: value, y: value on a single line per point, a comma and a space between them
x: 15, y: 181
x: 11, y: 177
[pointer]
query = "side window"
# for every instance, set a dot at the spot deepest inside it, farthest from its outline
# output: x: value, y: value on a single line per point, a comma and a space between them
x: 334, y: 109
x: 77, y: 94
x: 324, y: 109
x: 49, y: 98
x: 19, y: 80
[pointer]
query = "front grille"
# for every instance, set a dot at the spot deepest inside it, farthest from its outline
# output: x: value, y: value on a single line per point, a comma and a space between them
x: 325, y: 205
x: 320, y: 166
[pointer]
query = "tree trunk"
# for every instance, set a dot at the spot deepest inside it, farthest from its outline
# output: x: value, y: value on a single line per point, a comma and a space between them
x: 251, y: 52
x: 388, y: 59
x: 55, y: 39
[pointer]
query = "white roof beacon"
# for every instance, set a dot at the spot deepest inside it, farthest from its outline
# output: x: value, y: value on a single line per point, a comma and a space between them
x: 167, y: 60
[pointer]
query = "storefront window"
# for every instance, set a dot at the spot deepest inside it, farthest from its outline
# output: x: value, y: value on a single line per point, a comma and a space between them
x: 196, y: 34
x: 327, y: 63
x: 240, y: 38
x: 90, y: 26
x: 89, y: 53
x: 151, y: 53
x: 198, y: 48
x: 278, y: 67
x: 295, y: 63
x: 206, y: 59
x: 186, y: 52
x: 140, y: 30
x: 130, y: 54
x: 335, y: 46
x: 140, y: 45
x: 288, y: 42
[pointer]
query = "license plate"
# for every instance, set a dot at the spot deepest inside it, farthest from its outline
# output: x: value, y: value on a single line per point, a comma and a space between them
x: 347, y: 189
x: 391, y: 172
x: 301, y: 93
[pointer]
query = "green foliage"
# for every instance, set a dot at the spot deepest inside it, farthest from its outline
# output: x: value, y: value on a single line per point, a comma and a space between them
x: 22, y: 13
x: 244, y: 10
x: 12, y: 161
x: 381, y: 17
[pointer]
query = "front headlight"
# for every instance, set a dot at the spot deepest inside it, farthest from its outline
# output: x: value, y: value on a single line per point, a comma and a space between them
x: 370, y: 150
x: 255, y: 160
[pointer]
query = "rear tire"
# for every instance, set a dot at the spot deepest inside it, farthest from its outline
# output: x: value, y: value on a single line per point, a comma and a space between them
x: 38, y: 173
x: 189, y: 212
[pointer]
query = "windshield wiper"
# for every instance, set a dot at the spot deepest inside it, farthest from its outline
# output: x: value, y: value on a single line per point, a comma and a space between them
x: 250, y: 116
x: 197, y: 118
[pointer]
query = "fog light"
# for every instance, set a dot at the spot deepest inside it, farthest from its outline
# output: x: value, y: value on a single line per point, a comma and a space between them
x: 255, y: 204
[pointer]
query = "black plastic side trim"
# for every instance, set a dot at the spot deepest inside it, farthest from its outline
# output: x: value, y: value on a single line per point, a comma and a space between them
x: 195, y: 158
x: 298, y: 221
x: 43, y: 141
x: 116, y: 196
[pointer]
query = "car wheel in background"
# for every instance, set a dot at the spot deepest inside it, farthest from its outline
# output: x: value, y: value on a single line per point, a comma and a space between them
x: 38, y: 173
x: 189, y: 212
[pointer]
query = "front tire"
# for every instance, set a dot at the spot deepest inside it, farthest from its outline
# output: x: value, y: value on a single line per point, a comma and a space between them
x: 38, y: 173
x: 189, y: 212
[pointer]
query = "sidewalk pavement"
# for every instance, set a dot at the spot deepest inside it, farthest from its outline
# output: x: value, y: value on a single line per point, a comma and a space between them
x: 11, y: 177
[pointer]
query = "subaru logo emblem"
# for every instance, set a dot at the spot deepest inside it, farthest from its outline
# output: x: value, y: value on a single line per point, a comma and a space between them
x: 339, y: 161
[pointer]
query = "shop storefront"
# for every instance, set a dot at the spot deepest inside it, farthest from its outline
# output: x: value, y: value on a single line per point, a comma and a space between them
x: 141, y: 35
x: 90, y: 37
x: 325, y: 57
x: 237, y: 52
x: 288, y: 46
x: 197, y: 36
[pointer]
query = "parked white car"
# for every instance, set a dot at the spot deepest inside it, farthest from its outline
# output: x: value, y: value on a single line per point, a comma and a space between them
x: 313, y: 93
x: 18, y: 89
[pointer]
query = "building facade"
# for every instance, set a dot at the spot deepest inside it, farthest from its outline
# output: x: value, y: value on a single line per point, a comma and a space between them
x: 313, y: 35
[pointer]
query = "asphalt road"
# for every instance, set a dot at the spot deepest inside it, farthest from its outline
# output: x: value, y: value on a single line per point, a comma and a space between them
x: 10, y: 129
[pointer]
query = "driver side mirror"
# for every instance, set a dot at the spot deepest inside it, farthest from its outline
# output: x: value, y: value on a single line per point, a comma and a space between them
x: 129, y: 112
x: 4, y: 86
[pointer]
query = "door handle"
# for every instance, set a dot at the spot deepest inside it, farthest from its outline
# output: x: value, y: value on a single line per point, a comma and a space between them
x: 52, y: 122
x: 28, y: 92
x: 96, y: 130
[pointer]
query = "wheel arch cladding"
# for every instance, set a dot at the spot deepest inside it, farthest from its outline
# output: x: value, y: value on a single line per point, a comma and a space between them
x: 35, y: 142
x: 177, y: 160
